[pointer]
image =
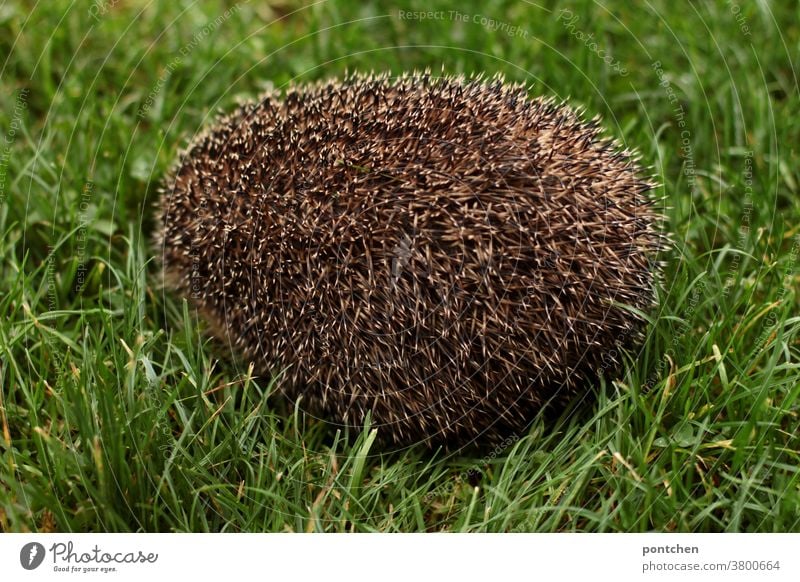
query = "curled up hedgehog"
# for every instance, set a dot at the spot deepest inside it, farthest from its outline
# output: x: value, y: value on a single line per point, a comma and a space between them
x: 445, y: 253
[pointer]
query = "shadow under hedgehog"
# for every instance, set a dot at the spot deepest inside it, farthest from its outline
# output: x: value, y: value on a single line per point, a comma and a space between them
x: 446, y: 253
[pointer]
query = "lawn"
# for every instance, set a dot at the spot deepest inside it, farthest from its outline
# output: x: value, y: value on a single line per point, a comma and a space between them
x: 119, y: 414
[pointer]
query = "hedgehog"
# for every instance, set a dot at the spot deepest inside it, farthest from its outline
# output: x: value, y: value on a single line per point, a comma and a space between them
x: 444, y: 258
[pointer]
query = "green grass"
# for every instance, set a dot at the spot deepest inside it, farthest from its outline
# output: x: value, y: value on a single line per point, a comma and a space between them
x: 118, y: 414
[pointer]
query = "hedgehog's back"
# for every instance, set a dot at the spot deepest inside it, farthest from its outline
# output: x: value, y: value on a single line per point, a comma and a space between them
x: 444, y: 253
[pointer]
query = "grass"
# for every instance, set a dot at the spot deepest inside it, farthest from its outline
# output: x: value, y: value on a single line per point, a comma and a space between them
x: 117, y: 414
